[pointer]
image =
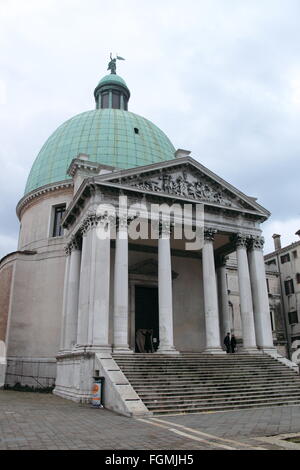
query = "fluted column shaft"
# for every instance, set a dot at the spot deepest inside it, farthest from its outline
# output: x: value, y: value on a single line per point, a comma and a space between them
x: 65, y: 296
x: 260, y: 296
x: 165, y: 296
x: 121, y: 289
x: 83, y: 301
x: 225, y: 320
x: 72, y: 297
x: 247, y: 316
x: 93, y: 324
x: 211, y: 310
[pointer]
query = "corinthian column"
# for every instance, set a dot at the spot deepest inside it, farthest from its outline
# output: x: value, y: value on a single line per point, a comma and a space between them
x: 211, y: 310
x: 225, y: 320
x: 121, y: 289
x: 72, y: 294
x: 85, y: 274
x: 261, y: 306
x: 247, y: 317
x: 65, y: 297
x: 93, y: 325
x: 165, y: 300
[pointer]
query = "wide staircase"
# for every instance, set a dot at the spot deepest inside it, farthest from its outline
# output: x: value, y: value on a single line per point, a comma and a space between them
x: 193, y: 383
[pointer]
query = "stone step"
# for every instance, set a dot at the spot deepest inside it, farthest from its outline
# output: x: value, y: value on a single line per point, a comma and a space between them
x: 190, y: 383
x: 188, y: 374
x: 206, y: 399
x: 201, y: 367
x: 204, y: 403
x: 225, y: 407
x: 204, y: 389
x: 181, y: 355
x: 210, y: 369
x: 157, y: 394
x: 200, y: 356
x: 201, y: 379
x: 146, y: 368
x: 182, y: 361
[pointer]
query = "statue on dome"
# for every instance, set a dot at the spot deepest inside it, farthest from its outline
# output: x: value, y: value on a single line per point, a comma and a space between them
x: 112, y: 65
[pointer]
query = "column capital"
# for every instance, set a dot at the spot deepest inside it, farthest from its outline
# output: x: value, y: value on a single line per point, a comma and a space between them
x: 209, y: 233
x: 256, y: 242
x: 67, y: 250
x: 74, y: 244
x: 93, y: 220
x: 240, y: 240
x: 165, y: 228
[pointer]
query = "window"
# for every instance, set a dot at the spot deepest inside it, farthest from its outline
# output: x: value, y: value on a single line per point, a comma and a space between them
x: 104, y: 100
x: 289, y: 287
x: 136, y: 131
x: 272, y: 261
x: 268, y: 285
x: 57, y: 218
x: 272, y: 320
x: 285, y: 258
x: 293, y: 317
x: 298, y: 278
x: 295, y: 254
x: 116, y: 100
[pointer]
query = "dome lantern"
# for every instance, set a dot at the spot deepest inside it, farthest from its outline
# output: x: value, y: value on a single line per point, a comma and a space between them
x: 109, y: 134
x: 112, y: 91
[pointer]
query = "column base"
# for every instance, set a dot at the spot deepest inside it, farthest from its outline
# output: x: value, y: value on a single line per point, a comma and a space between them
x: 92, y: 348
x: 250, y: 350
x: 167, y: 350
x: 271, y: 350
x: 213, y: 351
x: 122, y: 350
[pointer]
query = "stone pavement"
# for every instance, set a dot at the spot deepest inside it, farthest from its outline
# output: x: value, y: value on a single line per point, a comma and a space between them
x: 44, y: 421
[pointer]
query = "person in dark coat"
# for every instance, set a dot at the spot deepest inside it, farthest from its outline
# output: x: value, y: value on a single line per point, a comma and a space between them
x: 149, y: 341
x: 227, y: 342
x: 233, y: 344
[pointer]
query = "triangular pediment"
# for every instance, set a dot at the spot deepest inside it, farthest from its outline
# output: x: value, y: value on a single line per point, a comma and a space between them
x: 188, y: 179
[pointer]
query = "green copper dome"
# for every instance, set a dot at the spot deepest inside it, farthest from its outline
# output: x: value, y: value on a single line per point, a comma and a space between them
x: 110, y: 136
x: 112, y: 78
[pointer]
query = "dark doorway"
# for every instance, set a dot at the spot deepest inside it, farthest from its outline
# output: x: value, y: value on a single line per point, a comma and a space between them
x: 146, y: 312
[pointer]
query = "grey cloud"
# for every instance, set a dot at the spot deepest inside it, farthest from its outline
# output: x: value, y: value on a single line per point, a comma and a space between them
x: 215, y: 76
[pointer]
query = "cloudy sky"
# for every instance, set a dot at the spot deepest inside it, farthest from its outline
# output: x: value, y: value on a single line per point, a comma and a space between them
x: 220, y: 77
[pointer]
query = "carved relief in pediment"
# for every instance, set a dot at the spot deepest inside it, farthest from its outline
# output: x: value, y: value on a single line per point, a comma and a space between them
x: 190, y: 184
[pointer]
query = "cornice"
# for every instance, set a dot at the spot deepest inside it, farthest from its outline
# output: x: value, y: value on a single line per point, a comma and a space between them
x: 48, y: 188
x: 281, y: 250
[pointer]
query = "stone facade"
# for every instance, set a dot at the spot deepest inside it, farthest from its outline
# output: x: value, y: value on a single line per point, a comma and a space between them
x: 275, y: 306
x: 285, y: 262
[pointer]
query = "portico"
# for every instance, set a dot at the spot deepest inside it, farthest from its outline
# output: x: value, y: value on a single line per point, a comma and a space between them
x: 104, y: 264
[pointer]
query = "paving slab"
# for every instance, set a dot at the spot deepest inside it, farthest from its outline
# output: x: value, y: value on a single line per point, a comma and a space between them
x: 45, y: 421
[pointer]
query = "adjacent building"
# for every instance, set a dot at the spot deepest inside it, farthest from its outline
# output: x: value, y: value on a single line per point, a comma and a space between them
x: 285, y: 261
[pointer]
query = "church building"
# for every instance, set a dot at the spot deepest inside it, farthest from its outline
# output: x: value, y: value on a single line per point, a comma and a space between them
x: 90, y: 283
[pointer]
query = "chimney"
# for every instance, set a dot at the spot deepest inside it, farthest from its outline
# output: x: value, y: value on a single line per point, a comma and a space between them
x: 277, y: 241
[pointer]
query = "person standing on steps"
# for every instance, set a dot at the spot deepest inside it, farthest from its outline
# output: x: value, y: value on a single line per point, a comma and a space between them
x: 148, y: 341
x: 227, y: 343
x: 233, y: 344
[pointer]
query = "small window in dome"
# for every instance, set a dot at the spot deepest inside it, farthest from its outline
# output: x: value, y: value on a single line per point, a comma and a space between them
x: 116, y: 100
x: 136, y: 130
x: 104, y: 100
